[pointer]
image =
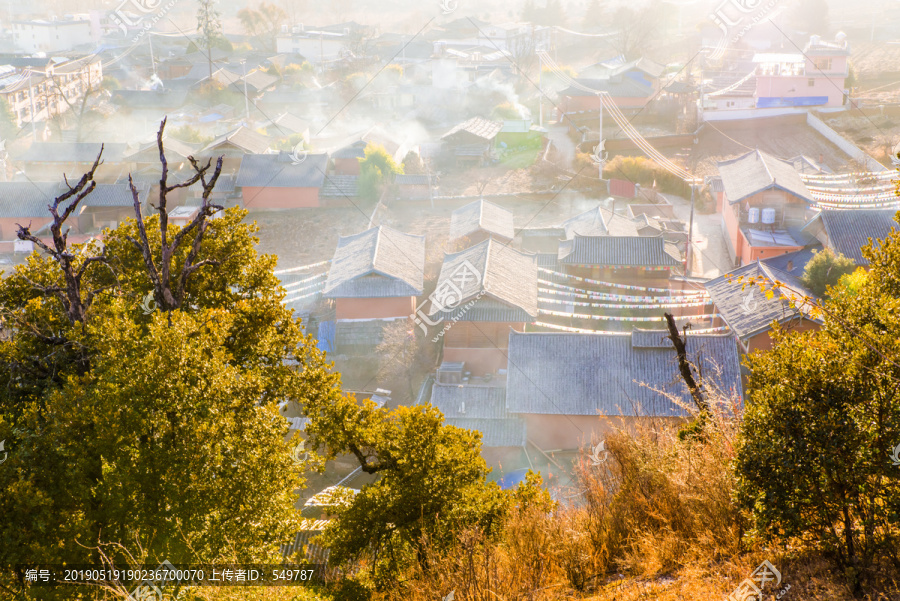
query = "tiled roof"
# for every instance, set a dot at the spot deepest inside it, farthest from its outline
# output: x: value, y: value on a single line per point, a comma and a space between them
x: 757, y: 171
x: 480, y: 408
x: 481, y: 215
x: 618, y: 251
x: 340, y: 185
x: 598, y: 222
x: 745, y: 308
x: 260, y: 80
x: 413, y: 179
x: 617, y: 87
x: 487, y: 129
x: 288, y: 123
x: 379, y: 262
x: 849, y: 231
x: 30, y: 199
x: 280, y: 171
x: 502, y: 273
x: 244, y: 138
x: 593, y: 374
x: 357, y: 150
x: 174, y: 148
x: 73, y: 152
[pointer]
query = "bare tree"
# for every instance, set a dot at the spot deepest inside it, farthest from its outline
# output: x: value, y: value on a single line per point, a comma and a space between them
x: 73, y: 269
x: 695, y: 385
x: 169, y: 288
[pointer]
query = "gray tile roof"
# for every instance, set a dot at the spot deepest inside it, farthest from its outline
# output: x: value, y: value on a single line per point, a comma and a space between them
x: 357, y: 150
x: 30, y: 199
x: 598, y: 222
x: 340, y: 185
x: 355, y: 335
x: 502, y: 273
x: 279, y: 171
x: 481, y: 408
x: 592, y: 374
x: 757, y: 171
x: 412, y: 179
x: 745, y: 308
x: 481, y: 215
x: 377, y: 263
x: 849, y: 231
x: 72, y: 152
x: 486, y: 129
x: 617, y: 87
x: 243, y: 138
x: 620, y: 251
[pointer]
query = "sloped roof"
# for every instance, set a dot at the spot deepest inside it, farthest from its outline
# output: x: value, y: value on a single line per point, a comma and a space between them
x: 594, y: 374
x: 73, y: 152
x: 260, y: 80
x: 280, y: 171
x: 379, y: 262
x: 243, y: 138
x: 340, y: 185
x: 757, y: 171
x: 481, y: 408
x: 848, y: 231
x: 174, y: 148
x: 622, y: 251
x: 356, y: 150
x: 617, y: 87
x: 288, y: 124
x: 484, y: 216
x: 745, y: 308
x: 486, y: 129
x: 30, y: 199
x: 505, y: 276
x: 598, y: 222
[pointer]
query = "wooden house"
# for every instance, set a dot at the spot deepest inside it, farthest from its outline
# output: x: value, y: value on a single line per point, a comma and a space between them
x: 281, y: 181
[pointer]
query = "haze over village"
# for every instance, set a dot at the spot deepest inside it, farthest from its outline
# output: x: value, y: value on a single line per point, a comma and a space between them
x: 562, y: 224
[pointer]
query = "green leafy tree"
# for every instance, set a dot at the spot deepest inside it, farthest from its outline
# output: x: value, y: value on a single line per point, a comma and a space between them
x: 823, y: 415
x: 209, y: 28
x: 140, y: 387
x: 263, y: 23
x: 825, y: 269
x: 431, y: 483
x: 8, y: 127
x: 375, y: 170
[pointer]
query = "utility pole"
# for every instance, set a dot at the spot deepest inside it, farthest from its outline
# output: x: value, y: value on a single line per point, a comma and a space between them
x: 600, y: 145
x: 541, y: 89
x: 687, y: 250
x: 152, y: 62
x: 246, y: 98
x: 31, y: 97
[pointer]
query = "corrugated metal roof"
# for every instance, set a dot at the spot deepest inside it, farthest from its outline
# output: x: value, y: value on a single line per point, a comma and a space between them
x: 619, y: 251
x: 379, y: 262
x: 592, y: 374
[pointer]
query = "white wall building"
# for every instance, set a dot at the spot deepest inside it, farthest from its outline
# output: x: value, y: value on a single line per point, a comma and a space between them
x: 51, y: 36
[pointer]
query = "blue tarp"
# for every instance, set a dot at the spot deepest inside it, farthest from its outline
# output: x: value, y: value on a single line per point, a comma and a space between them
x: 326, y: 336
x: 769, y: 102
x: 511, y: 480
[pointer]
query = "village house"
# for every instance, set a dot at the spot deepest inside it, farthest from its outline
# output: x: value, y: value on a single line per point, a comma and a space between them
x: 815, y: 77
x: 478, y: 221
x: 281, y: 181
x: 633, y: 260
x: 846, y: 232
x: 414, y: 186
x: 25, y: 203
x: 346, y: 160
x: 374, y: 278
x: 50, y: 90
x: 572, y: 389
x: 764, y: 205
x: 470, y: 142
x: 482, y: 407
x: 482, y: 293
x: 234, y: 145
x: 47, y: 161
x: 749, y: 312
x: 593, y: 222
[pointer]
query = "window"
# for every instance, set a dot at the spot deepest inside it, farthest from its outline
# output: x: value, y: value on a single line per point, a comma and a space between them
x: 823, y: 64
x: 811, y: 82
